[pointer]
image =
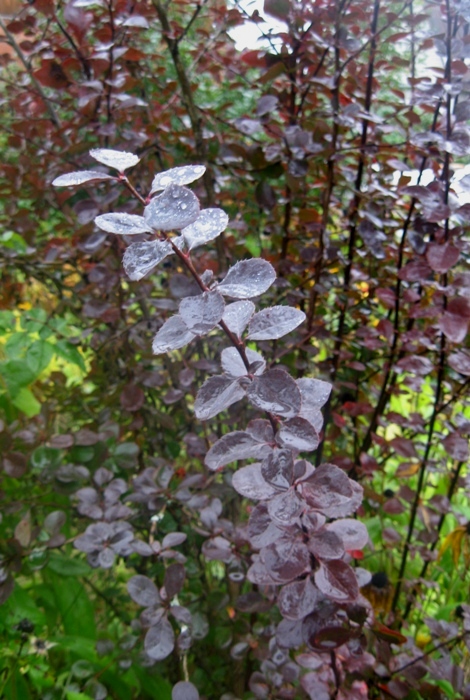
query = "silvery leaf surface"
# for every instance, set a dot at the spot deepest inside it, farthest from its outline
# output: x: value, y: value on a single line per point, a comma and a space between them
x: 276, y: 392
x: 298, y: 434
x: 80, y: 177
x: 209, y: 224
x: 172, y: 335
x: 122, y: 223
x: 215, y: 395
x: 233, y: 364
x: 120, y: 160
x: 140, y: 258
x: 237, y: 315
x: 181, y: 175
x: 249, y: 482
x: 248, y: 278
x: 174, y: 209
x: 233, y: 446
x: 274, y: 322
x: 203, y: 312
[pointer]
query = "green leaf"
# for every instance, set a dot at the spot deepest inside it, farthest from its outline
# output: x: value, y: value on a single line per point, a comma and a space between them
x: 70, y: 353
x: 16, y: 687
x: 125, y: 455
x: 7, y: 321
x: 43, y: 457
x: 68, y: 566
x: 72, y: 601
x: 155, y: 686
x: 21, y: 605
x: 17, y: 344
x: 13, y: 241
x: 70, y: 695
x: 33, y: 320
x: 16, y: 374
x: 27, y: 402
x: 39, y: 355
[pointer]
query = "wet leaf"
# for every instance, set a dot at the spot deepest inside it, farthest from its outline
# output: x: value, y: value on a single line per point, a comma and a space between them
x: 276, y: 392
x: 285, y: 508
x: 234, y: 446
x: 143, y: 591
x: 237, y: 316
x: 336, y: 580
x: 172, y: 335
x: 249, y: 482
x: 80, y: 178
x: 160, y: 640
x: 297, y: 599
x: 141, y: 258
x: 326, y: 544
x: 175, y: 209
x: 233, y: 364
x: 352, y: 533
x: 122, y: 223
x: 120, y: 160
x: 275, y: 322
x: 203, y: 312
x: 215, y: 395
x: 286, y: 559
x: 298, y: 434
x: 248, y: 278
x: 278, y: 469
x: 262, y: 531
x: 209, y: 224
x: 181, y: 175
x: 331, y: 492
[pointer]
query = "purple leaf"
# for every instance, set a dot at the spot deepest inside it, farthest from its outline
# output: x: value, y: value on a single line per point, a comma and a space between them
x: 258, y: 573
x: 262, y: 531
x: 173, y: 539
x: 182, y: 175
x: 141, y: 258
x: 120, y: 160
x: 233, y: 364
x: 276, y: 392
x: 249, y: 482
x: 215, y: 395
x: 174, y: 579
x: 442, y: 256
x: 297, y: 599
x: 160, y: 640
x: 208, y: 225
x: 172, y: 335
x: 285, y: 508
x: 298, y: 434
x: 286, y: 559
x: 80, y: 177
x: 237, y: 316
x: 143, y: 591
x: 203, y: 312
x: 234, y: 446
x: 278, y: 469
x: 176, y: 208
x: 336, y: 580
x: 184, y: 691
x: 353, y: 533
x: 315, y: 393
x: 331, y: 492
x: 261, y: 429
x: 274, y: 322
x: 122, y: 223
x: 248, y: 278
x: 460, y: 362
x: 325, y: 545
